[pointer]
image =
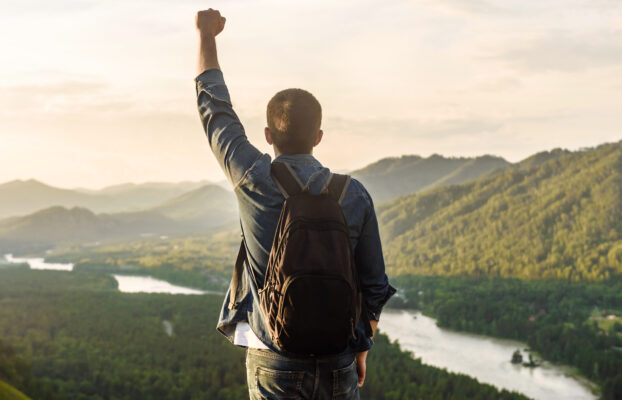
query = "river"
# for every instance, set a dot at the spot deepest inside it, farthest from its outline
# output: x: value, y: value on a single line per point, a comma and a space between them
x: 148, y: 284
x: 126, y: 283
x: 484, y: 358
x: 38, y: 263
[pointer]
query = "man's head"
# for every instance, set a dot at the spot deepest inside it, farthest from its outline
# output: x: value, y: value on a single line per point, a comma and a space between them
x: 294, y: 119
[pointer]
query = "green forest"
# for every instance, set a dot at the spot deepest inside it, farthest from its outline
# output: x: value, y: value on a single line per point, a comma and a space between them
x: 203, y: 262
x: 564, y: 322
x: 531, y: 252
x: 72, y: 335
x: 556, y: 215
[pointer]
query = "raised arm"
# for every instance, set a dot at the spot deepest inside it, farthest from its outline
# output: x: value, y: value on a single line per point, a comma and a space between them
x: 223, y: 128
x: 209, y: 24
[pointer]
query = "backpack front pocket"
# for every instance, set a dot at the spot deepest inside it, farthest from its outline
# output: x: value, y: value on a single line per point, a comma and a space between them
x: 315, y: 314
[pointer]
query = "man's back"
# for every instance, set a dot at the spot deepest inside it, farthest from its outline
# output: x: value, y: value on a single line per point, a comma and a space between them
x: 260, y: 202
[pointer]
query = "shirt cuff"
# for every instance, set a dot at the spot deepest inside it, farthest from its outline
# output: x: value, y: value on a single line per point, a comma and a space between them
x: 212, y: 82
x: 374, y: 315
x: 210, y: 77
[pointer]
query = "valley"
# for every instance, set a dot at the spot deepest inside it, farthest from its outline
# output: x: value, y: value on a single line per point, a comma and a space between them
x: 529, y: 251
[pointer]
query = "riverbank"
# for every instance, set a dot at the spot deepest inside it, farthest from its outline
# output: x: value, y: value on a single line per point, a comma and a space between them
x: 85, y: 338
x: 502, y: 375
x: 552, y: 317
x: 485, y: 358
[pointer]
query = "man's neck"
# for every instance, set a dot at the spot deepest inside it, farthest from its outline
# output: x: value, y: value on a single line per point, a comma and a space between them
x: 277, y: 153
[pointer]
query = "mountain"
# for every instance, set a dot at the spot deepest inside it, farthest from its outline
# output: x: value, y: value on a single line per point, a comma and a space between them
x: 48, y: 227
x: 202, y: 209
x: 554, y: 215
x: 542, y: 157
x: 145, y: 189
x: 389, y: 178
x: 209, y: 205
x: 386, y: 179
x: 24, y: 197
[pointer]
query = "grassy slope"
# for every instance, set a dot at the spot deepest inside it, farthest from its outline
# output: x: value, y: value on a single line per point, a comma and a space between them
x: 8, y: 392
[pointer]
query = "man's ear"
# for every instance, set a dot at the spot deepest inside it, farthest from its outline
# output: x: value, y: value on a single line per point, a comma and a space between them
x: 268, y: 136
x: 319, y: 138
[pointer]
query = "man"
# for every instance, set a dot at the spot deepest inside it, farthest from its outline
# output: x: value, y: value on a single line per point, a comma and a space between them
x: 294, y: 129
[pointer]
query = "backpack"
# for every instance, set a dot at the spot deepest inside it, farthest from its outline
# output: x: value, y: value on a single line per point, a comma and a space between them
x: 311, y: 295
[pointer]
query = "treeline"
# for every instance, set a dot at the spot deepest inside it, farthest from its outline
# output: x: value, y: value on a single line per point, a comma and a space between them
x: 203, y: 262
x: 559, y: 218
x: 579, y: 324
x: 77, y: 338
x: 84, y: 340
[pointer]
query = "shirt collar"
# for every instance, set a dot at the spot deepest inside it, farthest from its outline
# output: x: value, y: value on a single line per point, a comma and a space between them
x: 298, y: 159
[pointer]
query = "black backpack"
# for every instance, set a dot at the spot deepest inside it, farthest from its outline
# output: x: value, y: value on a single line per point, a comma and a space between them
x: 311, y: 295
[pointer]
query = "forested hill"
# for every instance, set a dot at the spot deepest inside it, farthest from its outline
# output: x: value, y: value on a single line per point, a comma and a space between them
x: 557, y: 215
x: 14, y: 370
x: 392, y: 177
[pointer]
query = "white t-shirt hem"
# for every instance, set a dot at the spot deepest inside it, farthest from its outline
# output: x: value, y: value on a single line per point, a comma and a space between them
x: 245, y: 337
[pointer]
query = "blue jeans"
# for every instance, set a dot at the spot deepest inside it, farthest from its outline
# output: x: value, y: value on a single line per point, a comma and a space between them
x: 275, y: 377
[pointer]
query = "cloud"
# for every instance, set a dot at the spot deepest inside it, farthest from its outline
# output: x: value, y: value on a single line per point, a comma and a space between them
x: 566, y: 52
x: 55, y: 97
x: 68, y: 87
x: 496, y: 8
x: 514, y: 9
x: 93, y: 98
x: 38, y: 7
x: 472, y: 6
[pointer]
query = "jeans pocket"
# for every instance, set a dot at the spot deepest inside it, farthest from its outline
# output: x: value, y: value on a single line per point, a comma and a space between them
x: 345, y: 383
x: 273, y: 384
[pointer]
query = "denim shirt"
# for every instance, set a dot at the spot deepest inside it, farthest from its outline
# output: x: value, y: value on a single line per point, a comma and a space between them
x: 260, y: 202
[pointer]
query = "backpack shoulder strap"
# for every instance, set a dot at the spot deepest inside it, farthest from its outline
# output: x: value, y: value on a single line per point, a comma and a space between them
x: 286, y: 179
x: 337, y: 186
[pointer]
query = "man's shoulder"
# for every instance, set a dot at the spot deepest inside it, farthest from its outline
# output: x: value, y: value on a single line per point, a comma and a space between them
x: 357, y: 195
x: 260, y: 174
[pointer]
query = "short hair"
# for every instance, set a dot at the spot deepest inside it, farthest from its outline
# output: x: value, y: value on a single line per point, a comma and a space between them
x: 294, y: 119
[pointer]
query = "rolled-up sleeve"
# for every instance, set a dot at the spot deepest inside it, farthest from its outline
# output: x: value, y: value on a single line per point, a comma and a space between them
x: 223, y: 128
x: 370, y: 264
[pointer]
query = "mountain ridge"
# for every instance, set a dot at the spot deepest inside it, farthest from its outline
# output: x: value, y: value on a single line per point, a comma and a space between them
x: 22, y: 197
x: 560, y: 217
x: 203, y: 209
x: 392, y: 177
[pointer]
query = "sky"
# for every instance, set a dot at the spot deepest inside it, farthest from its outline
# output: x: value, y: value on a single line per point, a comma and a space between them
x: 94, y: 93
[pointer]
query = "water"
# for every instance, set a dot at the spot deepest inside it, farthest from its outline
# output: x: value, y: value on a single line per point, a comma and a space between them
x: 484, y: 358
x: 126, y: 283
x: 147, y: 284
x: 39, y: 263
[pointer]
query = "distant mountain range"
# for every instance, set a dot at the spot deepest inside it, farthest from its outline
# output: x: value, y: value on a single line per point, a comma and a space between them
x: 389, y: 178
x: 386, y: 179
x: 556, y: 214
x: 202, y: 209
x: 24, y: 197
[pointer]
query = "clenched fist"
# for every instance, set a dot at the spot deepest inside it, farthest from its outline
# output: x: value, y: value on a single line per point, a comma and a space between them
x: 210, y: 22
